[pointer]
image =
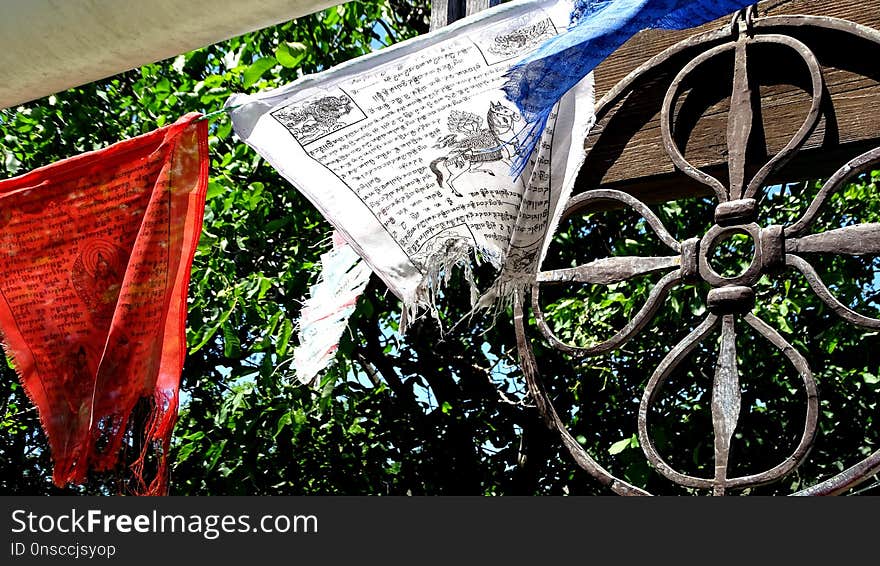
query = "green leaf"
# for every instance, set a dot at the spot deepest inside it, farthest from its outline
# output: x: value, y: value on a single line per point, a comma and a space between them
x: 267, y: 366
x: 265, y: 285
x: 163, y: 86
x: 270, y: 330
x: 253, y: 73
x: 284, y: 338
x: 224, y: 129
x: 783, y: 325
x: 213, y: 330
x: 284, y: 421
x: 325, y: 400
x: 231, y: 343
x: 299, y: 417
x: 185, y: 452
x: 832, y: 344
x: 620, y: 446
x: 187, y: 449
x: 277, y: 224
x: 290, y: 54
x: 215, y: 189
x: 332, y: 15
x: 214, y: 454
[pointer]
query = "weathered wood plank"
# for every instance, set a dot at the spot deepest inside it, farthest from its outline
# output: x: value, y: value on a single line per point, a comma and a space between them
x: 626, y: 152
x: 444, y: 12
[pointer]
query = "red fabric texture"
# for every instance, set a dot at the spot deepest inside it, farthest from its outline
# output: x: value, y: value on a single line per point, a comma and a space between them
x: 95, y: 257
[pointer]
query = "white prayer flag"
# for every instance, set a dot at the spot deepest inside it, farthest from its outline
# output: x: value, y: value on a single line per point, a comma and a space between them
x: 325, y: 313
x: 408, y: 151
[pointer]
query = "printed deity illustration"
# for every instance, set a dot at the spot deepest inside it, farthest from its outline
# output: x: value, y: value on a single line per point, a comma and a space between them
x: 316, y: 118
x: 472, y: 147
x: 97, y: 278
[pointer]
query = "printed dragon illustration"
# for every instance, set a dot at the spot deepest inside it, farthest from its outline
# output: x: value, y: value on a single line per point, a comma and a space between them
x: 522, y: 39
x: 311, y: 121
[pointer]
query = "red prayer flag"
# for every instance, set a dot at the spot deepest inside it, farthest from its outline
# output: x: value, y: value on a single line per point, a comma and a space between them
x: 95, y: 257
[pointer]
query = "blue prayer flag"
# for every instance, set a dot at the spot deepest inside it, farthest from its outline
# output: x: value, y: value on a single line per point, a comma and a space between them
x: 597, y: 28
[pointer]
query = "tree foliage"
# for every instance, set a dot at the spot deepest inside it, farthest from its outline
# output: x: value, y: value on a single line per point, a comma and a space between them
x: 436, y: 411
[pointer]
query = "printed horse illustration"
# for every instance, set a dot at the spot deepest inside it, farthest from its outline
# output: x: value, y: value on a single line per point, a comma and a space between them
x: 471, y: 147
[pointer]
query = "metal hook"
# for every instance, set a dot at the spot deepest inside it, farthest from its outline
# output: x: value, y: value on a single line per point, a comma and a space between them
x: 751, y: 14
x: 743, y: 20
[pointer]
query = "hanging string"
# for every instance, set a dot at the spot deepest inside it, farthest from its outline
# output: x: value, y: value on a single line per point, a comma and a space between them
x: 215, y: 113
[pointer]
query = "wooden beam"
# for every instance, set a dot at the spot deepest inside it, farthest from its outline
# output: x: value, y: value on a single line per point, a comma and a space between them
x: 625, y: 149
x: 444, y: 12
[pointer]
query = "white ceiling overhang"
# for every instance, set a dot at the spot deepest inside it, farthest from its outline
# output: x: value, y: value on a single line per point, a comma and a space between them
x: 47, y: 46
